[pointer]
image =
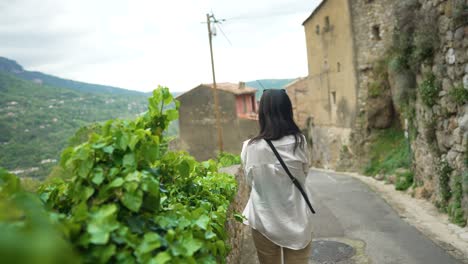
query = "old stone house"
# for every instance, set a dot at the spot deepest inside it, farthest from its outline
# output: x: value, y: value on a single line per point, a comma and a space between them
x: 197, y: 119
x: 343, y: 38
x: 296, y: 91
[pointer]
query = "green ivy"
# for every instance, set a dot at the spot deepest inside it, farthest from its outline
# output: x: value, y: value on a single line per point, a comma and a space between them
x: 429, y: 90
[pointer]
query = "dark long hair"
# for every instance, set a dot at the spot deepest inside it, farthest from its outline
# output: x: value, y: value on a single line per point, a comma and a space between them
x: 275, y: 117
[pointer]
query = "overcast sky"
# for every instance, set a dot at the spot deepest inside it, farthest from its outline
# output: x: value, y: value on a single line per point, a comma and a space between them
x: 141, y: 44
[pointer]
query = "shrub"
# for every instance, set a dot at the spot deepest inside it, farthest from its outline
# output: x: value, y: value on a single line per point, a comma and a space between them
x: 429, y: 90
x: 444, y: 172
x: 226, y: 159
x: 459, y: 95
x: 29, y: 233
x: 404, y: 180
x: 455, y: 210
x: 132, y: 201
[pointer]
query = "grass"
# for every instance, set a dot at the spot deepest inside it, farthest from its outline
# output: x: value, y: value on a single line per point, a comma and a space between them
x: 404, y: 180
x: 389, y: 151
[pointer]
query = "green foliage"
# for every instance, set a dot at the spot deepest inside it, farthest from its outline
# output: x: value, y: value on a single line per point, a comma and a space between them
x: 444, y: 171
x: 29, y: 233
x: 375, y: 89
x: 226, y: 159
x: 389, y: 151
x: 132, y: 201
x: 459, y: 95
x: 429, y: 90
x: 455, y: 210
x: 404, y: 180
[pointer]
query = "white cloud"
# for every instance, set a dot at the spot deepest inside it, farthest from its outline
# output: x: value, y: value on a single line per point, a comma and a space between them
x: 140, y: 44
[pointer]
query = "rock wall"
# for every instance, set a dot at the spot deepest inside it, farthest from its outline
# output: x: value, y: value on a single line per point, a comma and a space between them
x: 442, y: 129
x: 430, y: 94
x: 236, y: 229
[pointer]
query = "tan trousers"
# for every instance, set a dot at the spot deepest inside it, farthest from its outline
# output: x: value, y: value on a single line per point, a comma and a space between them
x: 270, y: 253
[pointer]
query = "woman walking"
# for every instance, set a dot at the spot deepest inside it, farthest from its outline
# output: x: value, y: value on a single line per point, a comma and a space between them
x: 278, y: 211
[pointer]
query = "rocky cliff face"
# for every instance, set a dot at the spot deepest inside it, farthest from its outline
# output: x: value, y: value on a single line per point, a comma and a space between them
x: 441, y: 111
x: 421, y: 83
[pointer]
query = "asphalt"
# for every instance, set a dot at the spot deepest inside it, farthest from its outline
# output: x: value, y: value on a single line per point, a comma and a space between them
x: 348, y: 211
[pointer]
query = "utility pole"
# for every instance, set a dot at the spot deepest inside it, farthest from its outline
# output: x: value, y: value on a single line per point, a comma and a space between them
x: 215, y: 90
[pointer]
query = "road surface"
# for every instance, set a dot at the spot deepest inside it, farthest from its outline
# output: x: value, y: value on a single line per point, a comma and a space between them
x: 348, y: 211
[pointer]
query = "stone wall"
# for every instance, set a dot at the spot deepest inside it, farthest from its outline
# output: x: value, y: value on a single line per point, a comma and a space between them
x: 372, y: 25
x: 197, y: 123
x: 236, y: 229
x: 439, y: 130
x: 442, y: 129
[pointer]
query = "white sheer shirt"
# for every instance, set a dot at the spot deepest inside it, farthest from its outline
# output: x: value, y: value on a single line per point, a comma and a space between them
x: 276, y: 207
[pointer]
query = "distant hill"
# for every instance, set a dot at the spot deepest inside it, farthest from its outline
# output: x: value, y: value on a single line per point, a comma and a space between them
x: 37, y: 120
x: 268, y: 84
x: 12, y: 67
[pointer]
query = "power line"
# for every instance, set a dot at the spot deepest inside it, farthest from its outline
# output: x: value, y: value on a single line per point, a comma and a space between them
x: 222, y: 32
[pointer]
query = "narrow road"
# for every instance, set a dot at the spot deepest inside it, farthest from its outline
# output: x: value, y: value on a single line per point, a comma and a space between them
x: 348, y: 211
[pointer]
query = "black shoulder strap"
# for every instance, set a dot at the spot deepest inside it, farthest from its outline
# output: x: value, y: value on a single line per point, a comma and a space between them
x: 293, y: 179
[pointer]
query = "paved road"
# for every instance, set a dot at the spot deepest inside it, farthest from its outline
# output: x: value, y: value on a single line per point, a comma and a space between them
x: 348, y: 209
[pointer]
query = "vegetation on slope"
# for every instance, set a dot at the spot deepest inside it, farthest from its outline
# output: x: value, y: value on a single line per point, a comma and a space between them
x: 37, y: 120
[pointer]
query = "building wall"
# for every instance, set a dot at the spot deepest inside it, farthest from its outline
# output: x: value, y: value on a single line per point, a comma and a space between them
x: 245, y: 104
x: 331, y: 80
x: 197, y: 121
x: 331, y: 83
x: 370, y: 45
x: 297, y: 91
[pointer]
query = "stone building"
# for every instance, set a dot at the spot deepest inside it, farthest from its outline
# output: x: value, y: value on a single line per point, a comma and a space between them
x: 197, y: 119
x: 343, y: 38
x: 296, y: 90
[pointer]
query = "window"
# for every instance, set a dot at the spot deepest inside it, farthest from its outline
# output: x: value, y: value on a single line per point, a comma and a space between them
x: 338, y: 67
x: 317, y: 29
x: 376, y: 32
x: 327, y: 24
x: 333, y: 97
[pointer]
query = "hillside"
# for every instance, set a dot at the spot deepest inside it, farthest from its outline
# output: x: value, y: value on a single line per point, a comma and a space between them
x: 12, y: 67
x: 37, y: 120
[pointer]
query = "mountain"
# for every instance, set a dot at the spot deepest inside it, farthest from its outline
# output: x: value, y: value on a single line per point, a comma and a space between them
x: 37, y: 120
x: 260, y: 85
x: 12, y: 67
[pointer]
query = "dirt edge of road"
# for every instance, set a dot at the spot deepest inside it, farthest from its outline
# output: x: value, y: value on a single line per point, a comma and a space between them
x: 421, y: 214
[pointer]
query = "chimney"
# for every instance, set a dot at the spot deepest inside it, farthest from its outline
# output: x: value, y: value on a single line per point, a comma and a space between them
x: 241, y: 85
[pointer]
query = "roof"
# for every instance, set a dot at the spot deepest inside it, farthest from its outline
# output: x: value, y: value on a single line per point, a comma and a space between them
x: 315, y: 11
x: 294, y: 82
x: 227, y: 87
x: 232, y: 88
